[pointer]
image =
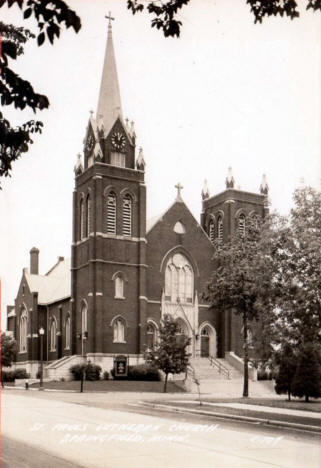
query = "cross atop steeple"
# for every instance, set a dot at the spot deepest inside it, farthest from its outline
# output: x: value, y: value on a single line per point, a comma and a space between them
x: 110, y: 19
x: 179, y: 189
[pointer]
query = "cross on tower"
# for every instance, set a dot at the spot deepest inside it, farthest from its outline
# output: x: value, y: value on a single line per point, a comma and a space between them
x: 179, y: 188
x: 110, y: 19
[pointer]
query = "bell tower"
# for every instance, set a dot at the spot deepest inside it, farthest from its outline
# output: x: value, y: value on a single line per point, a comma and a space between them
x: 109, y: 228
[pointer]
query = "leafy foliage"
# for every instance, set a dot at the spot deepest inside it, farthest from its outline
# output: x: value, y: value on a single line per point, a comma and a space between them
x: 141, y: 372
x: 307, y: 378
x: 287, y: 363
x: 241, y: 282
x: 16, y: 91
x: 8, y: 350
x: 171, y: 355
x: 92, y: 371
x: 165, y: 12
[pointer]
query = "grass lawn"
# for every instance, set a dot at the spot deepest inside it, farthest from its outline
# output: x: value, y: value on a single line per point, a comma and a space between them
x: 114, y: 386
x: 313, y: 405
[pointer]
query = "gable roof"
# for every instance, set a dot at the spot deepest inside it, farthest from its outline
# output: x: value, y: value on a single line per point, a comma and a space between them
x: 54, y: 286
x: 150, y: 223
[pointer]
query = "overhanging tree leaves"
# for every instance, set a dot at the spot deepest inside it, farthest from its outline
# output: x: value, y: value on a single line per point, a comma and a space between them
x: 8, y: 351
x: 171, y: 355
x: 241, y: 283
x: 286, y: 360
x: 166, y: 12
x: 14, y: 90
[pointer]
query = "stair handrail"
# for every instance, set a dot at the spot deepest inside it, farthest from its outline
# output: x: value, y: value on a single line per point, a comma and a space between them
x: 221, y: 368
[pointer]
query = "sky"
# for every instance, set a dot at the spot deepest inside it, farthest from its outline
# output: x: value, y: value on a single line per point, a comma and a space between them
x: 228, y: 92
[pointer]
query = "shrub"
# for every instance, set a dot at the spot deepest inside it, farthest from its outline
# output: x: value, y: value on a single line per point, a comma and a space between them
x: 7, y: 376
x: 21, y: 374
x: 106, y: 375
x: 92, y: 371
x: 139, y: 372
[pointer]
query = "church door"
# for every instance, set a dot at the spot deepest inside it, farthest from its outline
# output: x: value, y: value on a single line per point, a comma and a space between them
x: 205, y: 343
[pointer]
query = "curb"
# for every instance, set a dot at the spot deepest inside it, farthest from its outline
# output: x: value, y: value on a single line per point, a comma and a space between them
x: 235, y: 417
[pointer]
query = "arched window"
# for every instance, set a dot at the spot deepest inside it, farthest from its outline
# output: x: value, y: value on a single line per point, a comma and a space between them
x: 241, y: 225
x: 67, y: 333
x: 127, y: 215
x: 119, y: 330
x: 23, y: 330
x: 88, y: 216
x: 82, y: 219
x: 151, y: 336
x: 111, y: 213
x: 220, y: 229
x: 179, y: 280
x: 255, y: 220
x: 84, y: 317
x: 119, y: 287
x: 53, y: 335
x: 179, y: 228
x: 211, y: 230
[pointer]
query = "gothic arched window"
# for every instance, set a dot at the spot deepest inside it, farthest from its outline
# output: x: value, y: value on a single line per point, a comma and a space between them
x: 220, y: 229
x: 88, y: 216
x: 84, y: 318
x: 23, y: 330
x: 179, y: 279
x: 127, y: 215
x: 211, y: 230
x: 67, y: 333
x: 82, y: 219
x: 119, y: 330
x: 151, y: 336
x: 53, y: 335
x: 241, y: 225
x: 119, y: 287
x: 111, y: 213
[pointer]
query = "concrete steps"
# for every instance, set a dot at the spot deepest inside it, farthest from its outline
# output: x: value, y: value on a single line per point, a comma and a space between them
x: 59, y: 369
x: 205, y: 371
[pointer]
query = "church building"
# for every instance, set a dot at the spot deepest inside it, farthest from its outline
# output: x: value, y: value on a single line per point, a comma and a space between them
x: 126, y: 272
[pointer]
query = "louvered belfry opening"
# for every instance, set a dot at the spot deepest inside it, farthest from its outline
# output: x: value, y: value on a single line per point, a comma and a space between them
x: 111, y: 213
x: 127, y: 216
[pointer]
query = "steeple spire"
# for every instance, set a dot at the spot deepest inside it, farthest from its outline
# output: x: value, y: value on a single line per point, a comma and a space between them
x: 109, y: 103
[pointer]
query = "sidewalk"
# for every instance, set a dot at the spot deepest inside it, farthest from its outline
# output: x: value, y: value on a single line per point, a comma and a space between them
x: 281, y: 417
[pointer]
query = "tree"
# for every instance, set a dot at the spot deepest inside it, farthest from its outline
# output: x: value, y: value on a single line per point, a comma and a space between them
x: 14, y: 90
x: 241, y: 283
x: 298, y: 270
x: 287, y: 363
x: 8, y: 351
x: 171, y: 356
x: 165, y: 13
x: 307, y: 378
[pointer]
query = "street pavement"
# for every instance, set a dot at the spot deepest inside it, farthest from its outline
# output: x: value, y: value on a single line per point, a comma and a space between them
x: 74, y: 429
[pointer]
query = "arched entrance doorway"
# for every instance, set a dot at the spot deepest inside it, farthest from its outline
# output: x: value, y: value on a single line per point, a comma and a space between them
x: 208, y: 341
x: 184, y: 331
x: 205, y: 342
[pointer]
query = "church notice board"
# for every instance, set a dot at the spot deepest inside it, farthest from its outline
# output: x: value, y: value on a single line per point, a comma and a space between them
x: 121, y: 366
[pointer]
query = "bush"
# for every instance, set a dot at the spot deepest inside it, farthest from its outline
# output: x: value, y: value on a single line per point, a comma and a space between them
x: 21, y: 374
x: 139, y: 372
x: 10, y: 376
x: 106, y: 375
x: 263, y: 374
x: 92, y: 371
x: 7, y: 376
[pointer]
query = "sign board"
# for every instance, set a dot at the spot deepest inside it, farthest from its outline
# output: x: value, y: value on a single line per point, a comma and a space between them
x: 121, y: 366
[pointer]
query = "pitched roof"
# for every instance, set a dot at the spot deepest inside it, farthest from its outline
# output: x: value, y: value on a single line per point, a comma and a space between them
x: 53, y: 286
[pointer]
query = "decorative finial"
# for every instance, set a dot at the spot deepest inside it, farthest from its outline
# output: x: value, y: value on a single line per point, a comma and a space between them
x: 179, y: 189
x: 91, y: 112
x: 264, y: 188
x: 127, y: 123
x: 302, y: 182
x: 229, y: 179
x: 78, y: 166
x: 140, y: 164
x: 132, y: 129
x: 205, y: 191
x: 110, y: 19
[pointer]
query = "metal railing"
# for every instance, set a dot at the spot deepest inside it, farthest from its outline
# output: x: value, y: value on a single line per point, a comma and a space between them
x: 220, y: 367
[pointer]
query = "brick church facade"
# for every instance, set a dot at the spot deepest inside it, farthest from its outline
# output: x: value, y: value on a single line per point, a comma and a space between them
x: 125, y: 272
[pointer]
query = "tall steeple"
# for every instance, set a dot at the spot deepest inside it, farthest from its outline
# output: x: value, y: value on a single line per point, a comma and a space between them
x: 109, y: 103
